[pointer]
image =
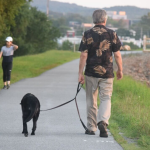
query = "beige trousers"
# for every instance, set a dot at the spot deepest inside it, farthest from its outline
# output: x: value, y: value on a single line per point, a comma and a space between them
x: 105, y: 88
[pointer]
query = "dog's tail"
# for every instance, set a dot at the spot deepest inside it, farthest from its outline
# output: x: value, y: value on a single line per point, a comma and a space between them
x: 34, y: 109
x: 33, y: 105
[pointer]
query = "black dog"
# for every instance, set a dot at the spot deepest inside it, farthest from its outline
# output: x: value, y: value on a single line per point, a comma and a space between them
x: 30, y: 110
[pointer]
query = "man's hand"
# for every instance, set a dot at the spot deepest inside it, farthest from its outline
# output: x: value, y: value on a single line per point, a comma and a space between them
x: 81, y: 78
x: 119, y: 75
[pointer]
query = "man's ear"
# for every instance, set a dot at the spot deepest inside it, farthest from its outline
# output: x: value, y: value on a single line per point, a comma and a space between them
x: 105, y: 21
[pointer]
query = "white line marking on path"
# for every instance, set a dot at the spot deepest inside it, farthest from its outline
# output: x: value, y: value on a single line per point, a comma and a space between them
x: 97, y: 141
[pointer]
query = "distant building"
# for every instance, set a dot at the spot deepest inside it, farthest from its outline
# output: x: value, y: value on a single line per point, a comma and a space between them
x: 112, y: 28
x: 70, y: 33
x: 121, y: 15
x: 87, y: 26
x: 125, y: 39
x: 132, y: 32
x: 73, y: 40
x: 111, y: 13
x: 74, y: 24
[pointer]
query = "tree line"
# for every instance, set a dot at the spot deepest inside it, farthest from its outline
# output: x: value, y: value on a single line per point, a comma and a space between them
x: 31, y: 30
x: 142, y: 27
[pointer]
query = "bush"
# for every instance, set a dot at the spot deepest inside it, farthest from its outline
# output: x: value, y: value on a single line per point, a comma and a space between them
x: 131, y: 45
x: 67, y: 45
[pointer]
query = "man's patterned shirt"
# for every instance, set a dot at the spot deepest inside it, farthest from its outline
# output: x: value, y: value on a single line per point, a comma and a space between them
x: 100, y: 42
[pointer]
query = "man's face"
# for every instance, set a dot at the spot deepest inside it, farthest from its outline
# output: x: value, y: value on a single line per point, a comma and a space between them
x: 8, y: 43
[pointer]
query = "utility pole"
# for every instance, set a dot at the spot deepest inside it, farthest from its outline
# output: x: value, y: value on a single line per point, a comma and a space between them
x: 74, y: 47
x: 148, y: 34
x: 47, y: 8
x: 141, y: 33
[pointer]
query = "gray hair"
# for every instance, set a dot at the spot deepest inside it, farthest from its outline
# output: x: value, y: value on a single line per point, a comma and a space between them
x: 99, y: 16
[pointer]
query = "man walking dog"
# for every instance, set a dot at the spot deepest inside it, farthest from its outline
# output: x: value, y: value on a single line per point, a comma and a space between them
x: 96, y: 48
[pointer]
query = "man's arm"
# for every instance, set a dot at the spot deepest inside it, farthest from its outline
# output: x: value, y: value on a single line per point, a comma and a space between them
x: 118, y: 60
x: 83, y: 58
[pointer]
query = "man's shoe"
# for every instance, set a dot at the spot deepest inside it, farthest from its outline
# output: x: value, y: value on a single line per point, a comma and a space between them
x: 89, y: 132
x: 8, y: 86
x: 5, y: 87
x: 102, y: 126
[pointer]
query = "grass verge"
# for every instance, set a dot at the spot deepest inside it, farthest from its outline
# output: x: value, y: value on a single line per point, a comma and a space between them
x: 130, y: 118
x: 33, y: 65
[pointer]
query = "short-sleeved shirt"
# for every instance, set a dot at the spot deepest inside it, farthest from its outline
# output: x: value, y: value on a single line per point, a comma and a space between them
x: 99, y: 42
x: 8, y: 53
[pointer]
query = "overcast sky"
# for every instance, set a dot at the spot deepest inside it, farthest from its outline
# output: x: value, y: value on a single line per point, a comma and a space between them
x: 109, y: 3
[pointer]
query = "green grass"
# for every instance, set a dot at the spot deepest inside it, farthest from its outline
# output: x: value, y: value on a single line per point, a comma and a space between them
x: 33, y: 65
x: 130, y: 115
x: 140, y: 49
x: 131, y: 112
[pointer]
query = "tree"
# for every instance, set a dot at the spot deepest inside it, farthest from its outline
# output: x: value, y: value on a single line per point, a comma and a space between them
x: 8, y: 10
x: 116, y: 23
x: 145, y: 23
x: 33, y: 33
x: 40, y: 32
x: 123, y: 32
x: 19, y: 31
x: 62, y: 22
x: 67, y: 45
x: 142, y: 27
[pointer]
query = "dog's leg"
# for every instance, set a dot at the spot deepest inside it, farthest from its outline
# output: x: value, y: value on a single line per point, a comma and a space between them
x: 35, y: 118
x: 23, y: 126
x: 25, y: 130
x: 34, y: 125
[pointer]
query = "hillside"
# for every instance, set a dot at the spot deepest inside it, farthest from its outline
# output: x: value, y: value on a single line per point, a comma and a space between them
x: 60, y: 7
x: 132, y: 11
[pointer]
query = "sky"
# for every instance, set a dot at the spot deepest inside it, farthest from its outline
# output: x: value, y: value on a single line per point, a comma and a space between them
x: 109, y: 3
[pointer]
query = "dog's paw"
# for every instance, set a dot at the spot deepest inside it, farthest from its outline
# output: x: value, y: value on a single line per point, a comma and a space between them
x: 32, y: 133
x: 26, y: 134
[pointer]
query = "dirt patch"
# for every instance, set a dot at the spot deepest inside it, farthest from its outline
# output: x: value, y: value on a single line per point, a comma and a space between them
x: 137, y: 66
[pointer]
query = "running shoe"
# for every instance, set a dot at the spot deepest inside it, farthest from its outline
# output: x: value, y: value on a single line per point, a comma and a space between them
x: 8, y: 86
x: 5, y: 87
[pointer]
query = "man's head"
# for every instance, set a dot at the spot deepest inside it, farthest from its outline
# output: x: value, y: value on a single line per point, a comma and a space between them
x: 99, y: 17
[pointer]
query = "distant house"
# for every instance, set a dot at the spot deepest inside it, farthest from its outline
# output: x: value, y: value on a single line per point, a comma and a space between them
x: 70, y: 33
x: 112, y: 28
x: 121, y: 15
x: 132, y: 32
x: 87, y: 26
x: 74, y: 24
x: 113, y: 14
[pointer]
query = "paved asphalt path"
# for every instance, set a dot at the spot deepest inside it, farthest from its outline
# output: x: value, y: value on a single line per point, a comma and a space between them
x: 131, y: 52
x: 59, y: 129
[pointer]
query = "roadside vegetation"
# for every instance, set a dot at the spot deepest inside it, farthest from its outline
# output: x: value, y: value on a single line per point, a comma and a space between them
x: 30, y: 28
x: 33, y: 65
x: 131, y: 114
x: 129, y: 122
